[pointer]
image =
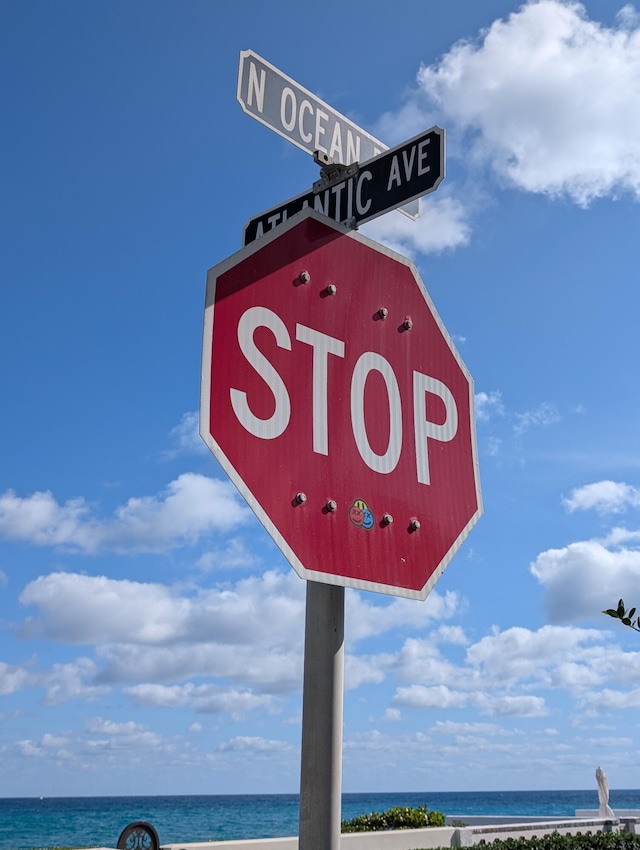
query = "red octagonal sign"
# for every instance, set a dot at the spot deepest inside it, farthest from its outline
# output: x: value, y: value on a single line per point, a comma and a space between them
x: 337, y: 403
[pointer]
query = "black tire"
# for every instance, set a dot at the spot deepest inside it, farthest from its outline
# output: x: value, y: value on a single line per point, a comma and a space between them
x: 138, y: 835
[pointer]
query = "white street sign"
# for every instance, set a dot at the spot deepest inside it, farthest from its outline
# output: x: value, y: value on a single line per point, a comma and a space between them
x: 278, y: 102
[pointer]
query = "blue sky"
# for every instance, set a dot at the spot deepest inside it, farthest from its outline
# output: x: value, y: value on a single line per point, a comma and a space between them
x: 151, y: 633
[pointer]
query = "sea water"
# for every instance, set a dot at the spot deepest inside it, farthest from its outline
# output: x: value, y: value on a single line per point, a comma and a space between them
x: 84, y: 821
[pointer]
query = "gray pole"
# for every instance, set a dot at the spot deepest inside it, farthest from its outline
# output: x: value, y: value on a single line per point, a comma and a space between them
x: 322, y: 700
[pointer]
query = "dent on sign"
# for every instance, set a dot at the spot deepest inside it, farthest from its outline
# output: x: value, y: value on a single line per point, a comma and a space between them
x: 325, y: 346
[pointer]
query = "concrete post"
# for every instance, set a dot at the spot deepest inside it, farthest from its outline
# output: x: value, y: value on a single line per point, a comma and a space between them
x: 322, y: 701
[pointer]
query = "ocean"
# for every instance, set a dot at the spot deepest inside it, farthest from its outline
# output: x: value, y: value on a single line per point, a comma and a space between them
x: 84, y: 821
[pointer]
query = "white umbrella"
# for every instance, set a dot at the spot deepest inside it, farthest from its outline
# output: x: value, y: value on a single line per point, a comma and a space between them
x: 603, y: 795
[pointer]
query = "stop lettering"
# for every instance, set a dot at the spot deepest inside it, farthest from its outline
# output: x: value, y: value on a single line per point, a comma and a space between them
x: 335, y: 400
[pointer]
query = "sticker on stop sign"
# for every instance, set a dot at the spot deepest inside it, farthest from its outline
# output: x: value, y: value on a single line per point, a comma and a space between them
x: 337, y: 403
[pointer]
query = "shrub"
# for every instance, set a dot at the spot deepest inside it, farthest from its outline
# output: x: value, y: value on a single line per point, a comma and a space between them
x: 399, y: 817
x: 556, y: 841
x: 585, y: 841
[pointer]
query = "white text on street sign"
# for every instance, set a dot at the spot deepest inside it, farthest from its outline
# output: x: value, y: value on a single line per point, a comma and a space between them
x: 290, y: 110
x: 403, y: 173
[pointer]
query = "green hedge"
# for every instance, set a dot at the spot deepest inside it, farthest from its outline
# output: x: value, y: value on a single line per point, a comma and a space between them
x: 400, y: 817
x: 586, y: 841
x: 556, y: 841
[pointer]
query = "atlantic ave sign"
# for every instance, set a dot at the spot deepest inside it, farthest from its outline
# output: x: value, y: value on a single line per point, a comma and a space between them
x: 406, y: 172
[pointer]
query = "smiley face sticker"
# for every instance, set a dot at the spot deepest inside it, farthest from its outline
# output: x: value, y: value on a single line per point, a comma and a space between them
x: 360, y: 515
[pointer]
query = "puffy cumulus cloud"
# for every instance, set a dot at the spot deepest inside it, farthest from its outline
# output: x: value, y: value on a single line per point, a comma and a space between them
x: 435, y: 696
x: 550, y: 98
x: 367, y: 618
x: 276, y: 669
x: 255, y: 746
x: 49, y: 746
x: 494, y: 705
x: 81, y: 609
x: 605, y: 497
x: 13, y: 679
x: 509, y: 673
x: 153, y: 636
x: 420, y: 660
x: 607, y: 699
x: 511, y: 706
x: 205, y: 699
x: 61, y: 683
x: 364, y: 670
x: 518, y: 654
x: 444, y: 224
x: 185, y: 437
x: 73, y: 680
x: 453, y: 635
x: 107, y: 734
x: 488, y: 405
x: 451, y: 727
x: 584, y: 578
x: 147, y: 633
x: 234, y: 555
x: 191, y: 507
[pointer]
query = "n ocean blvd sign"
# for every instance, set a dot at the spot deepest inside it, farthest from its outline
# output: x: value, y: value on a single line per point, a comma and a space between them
x: 290, y: 110
x: 404, y: 173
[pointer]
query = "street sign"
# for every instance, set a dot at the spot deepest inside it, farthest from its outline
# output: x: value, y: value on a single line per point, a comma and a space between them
x: 290, y: 110
x: 335, y: 400
x: 408, y: 171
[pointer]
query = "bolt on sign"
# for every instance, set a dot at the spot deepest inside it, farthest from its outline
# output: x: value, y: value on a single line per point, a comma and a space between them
x: 336, y: 401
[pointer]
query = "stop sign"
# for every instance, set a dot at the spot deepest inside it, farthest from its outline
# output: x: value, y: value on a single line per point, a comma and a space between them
x: 337, y: 403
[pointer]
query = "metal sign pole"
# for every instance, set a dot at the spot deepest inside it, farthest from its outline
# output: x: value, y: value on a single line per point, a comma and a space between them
x: 322, y: 703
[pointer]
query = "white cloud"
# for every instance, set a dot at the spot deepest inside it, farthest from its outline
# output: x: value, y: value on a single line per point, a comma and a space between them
x: 205, y: 699
x: 605, y: 497
x: 367, y: 618
x: 443, y: 225
x: 191, y: 507
x: 509, y: 673
x: 235, y: 555
x: 154, y: 636
x: 186, y: 438
x: 584, y: 578
x: 451, y: 727
x: 393, y: 715
x: 610, y: 742
x: 450, y: 635
x: 254, y: 745
x: 550, y: 99
x: 420, y: 660
x: 494, y: 705
x: 542, y: 416
x: 488, y: 405
x: 13, y: 679
x: 518, y: 654
x: 608, y: 699
x: 361, y: 670
x: 84, y: 609
x: 150, y: 634
x: 436, y: 696
x: 72, y: 681
x: 160, y: 696
x: 55, y: 746
x: 511, y: 706
x: 122, y: 735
